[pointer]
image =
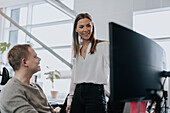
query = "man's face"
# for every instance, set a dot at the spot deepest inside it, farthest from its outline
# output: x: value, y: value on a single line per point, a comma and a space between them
x: 33, y: 61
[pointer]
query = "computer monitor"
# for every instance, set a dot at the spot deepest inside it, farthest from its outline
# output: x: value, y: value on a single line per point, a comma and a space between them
x: 136, y: 63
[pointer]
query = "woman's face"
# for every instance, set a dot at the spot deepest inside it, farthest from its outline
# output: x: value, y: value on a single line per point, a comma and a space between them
x: 84, y: 28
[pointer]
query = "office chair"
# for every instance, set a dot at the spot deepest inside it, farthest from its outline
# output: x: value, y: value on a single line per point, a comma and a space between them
x: 5, y: 76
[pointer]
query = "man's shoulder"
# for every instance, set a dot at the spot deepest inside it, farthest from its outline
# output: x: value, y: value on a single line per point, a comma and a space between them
x: 8, y: 85
x: 9, y: 88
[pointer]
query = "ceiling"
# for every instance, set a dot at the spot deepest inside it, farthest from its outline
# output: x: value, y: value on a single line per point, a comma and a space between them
x: 5, y: 3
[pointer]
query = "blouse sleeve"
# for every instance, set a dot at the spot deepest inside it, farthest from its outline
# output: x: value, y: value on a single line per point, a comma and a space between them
x: 72, y: 85
x: 107, y: 68
x: 106, y: 55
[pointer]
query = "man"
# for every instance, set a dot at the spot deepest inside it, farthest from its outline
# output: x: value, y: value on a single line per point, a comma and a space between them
x: 19, y: 95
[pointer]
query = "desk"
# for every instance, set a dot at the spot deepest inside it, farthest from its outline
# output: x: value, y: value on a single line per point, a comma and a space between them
x: 59, y: 100
x: 55, y: 101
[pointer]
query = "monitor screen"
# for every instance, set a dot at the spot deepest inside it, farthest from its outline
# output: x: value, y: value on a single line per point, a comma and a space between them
x: 136, y: 63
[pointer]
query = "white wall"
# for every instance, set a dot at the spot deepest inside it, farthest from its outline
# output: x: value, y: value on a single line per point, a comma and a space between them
x: 119, y: 11
x: 104, y: 11
x: 140, y: 5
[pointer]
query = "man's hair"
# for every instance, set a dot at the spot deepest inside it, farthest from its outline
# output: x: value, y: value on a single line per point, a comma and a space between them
x: 16, y: 54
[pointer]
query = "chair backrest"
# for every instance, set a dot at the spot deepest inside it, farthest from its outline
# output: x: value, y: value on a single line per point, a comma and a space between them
x: 5, y: 76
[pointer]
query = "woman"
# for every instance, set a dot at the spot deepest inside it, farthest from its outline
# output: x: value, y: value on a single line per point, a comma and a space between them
x: 90, y: 69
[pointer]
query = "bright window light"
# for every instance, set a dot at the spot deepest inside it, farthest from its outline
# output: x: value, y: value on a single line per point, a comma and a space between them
x: 56, y: 35
x: 154, y: 24
x: 43, y: 13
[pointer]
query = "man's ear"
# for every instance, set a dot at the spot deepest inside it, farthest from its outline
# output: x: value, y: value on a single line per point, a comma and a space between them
x: 23, y: 62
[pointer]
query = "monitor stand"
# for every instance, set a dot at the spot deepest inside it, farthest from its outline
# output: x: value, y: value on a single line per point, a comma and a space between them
x: 158, y: 100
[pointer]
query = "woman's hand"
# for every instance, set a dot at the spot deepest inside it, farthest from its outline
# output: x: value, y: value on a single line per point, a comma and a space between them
x: 68, y: 108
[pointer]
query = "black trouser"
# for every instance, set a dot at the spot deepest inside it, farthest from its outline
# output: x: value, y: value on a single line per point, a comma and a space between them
x: 89, y: 98
x: 115, y: 107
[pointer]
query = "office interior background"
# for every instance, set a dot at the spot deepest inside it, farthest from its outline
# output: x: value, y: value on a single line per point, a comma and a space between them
x: 51, y: 23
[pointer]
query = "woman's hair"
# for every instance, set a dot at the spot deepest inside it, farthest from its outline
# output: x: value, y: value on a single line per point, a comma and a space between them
x: 76, y: 42
x: 16, y: 54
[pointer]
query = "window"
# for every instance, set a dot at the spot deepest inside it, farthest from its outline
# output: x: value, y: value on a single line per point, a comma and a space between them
x: 49, y: 25
x: 154, y: 23
x: 43, y: 13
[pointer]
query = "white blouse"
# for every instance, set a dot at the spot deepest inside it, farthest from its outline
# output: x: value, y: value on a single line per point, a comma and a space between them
x: 93, y: 69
